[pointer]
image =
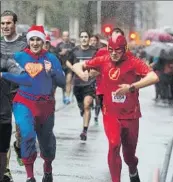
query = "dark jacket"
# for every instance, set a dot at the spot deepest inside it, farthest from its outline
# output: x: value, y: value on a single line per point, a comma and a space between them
x: 9, y: 48
x: 8, y: 65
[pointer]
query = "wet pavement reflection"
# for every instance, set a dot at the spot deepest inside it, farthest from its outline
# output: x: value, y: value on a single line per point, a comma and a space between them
x: 78, y: 161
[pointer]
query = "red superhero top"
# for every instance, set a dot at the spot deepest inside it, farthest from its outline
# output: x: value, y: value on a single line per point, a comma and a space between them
x: 130, y: 70
x: 99, y: 79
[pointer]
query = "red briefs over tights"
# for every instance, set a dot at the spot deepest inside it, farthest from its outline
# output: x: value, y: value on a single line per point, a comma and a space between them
x: 41, y: 109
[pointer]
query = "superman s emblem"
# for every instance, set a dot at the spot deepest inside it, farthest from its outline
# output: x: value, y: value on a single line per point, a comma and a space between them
x: 33, y: 69
x: 114, y: 73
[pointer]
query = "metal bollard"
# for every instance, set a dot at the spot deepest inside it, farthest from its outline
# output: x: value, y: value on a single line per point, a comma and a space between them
x: 166, y: 162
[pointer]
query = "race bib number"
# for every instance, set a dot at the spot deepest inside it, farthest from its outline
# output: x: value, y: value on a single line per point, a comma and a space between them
x: 117, y: 98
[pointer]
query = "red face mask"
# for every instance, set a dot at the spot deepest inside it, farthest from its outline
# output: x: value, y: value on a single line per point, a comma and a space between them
x: 117, y: 47
x: 117, y: 43
x: 117, y: 51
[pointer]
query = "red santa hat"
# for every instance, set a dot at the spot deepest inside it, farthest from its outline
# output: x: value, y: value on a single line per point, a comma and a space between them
x: 36, y: 31
x: 48, y: 38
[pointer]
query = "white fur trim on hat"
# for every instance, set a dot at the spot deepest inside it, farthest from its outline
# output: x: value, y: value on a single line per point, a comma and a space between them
x: 35, y: 33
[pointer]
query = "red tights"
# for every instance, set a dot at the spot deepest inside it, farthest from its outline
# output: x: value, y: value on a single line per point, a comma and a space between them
x: 125, y: 133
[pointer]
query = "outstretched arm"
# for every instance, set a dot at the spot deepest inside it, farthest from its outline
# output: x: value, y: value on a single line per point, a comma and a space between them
x: 78, y: 68
x: 81, y: 68
x: 20, y: 79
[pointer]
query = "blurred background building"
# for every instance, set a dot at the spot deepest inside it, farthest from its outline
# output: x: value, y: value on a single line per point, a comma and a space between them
x: 165, y: 13
x: 145, y: 15
x: 95, y: 16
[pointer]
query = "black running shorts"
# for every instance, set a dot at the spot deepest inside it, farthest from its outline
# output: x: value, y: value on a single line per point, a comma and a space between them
x: 81, y: 92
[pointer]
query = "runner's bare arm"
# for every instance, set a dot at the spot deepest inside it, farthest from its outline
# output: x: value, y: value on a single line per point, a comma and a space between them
x: 93, y: 73
x: 94, y: 63
x: 80, y: 70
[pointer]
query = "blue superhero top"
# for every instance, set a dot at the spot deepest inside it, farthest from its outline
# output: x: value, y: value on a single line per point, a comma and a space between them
x: 35, y: 80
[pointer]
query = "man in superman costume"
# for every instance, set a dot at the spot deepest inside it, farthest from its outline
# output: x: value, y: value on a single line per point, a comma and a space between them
x: 34, y: 102
x: 123, y: 76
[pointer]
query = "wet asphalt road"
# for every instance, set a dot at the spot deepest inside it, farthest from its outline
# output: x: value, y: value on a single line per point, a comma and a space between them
x: 78, y: 161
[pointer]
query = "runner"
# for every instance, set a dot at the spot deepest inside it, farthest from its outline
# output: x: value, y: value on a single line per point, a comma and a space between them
x: 34, y: 103
x: 83, y: 91
x: 122, y: 73
x: 99, y: 79
x: 47, y: 45
x: 5, y: 122
x: 95, y: 41
x: 10, y: 43
x: 63, y: 50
